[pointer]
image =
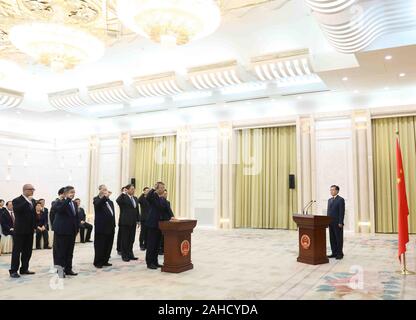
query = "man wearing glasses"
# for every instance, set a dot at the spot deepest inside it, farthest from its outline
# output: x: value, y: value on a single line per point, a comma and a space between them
x: 24, y: 227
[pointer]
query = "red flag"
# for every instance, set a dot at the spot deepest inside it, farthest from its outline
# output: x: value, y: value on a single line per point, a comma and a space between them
x: 403, y: 208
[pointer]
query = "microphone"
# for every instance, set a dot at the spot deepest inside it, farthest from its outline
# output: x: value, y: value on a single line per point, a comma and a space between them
x: 310, y: 205
x: 307, y: 205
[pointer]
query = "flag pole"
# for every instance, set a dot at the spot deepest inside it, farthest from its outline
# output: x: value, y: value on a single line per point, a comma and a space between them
x: 404, y: 270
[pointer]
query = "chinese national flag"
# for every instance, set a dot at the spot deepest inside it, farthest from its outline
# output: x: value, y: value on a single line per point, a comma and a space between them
x: 403, y: 208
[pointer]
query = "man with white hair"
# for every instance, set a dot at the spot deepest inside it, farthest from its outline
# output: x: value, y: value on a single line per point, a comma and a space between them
x: 104, y: 226
x: 24, y: 227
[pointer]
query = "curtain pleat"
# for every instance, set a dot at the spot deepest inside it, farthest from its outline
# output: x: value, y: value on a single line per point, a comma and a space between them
x: 156, y: 161
x: 266, y: 158
x: 384, y: 157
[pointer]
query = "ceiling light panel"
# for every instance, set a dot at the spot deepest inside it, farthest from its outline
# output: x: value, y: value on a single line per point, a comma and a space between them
x: 164, y: 84
x: 215, y: 76
x: 281, y: 66
x: 66, y: 100
x: 109, y: 93
x: 10, y: 99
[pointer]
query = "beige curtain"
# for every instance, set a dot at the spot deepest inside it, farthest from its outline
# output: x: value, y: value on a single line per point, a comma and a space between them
x: 384, y: 153
x: 156, y: 161
x: 266, y: 157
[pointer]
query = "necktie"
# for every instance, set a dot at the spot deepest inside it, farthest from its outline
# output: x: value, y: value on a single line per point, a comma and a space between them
x: 134, y: 202
x: 73, y: 208
x: 109, y: 208
x: 12, y: 215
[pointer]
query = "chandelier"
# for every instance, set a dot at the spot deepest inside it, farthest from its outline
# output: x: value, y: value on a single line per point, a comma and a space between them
x: 170, y: 21
x: 56, y: 33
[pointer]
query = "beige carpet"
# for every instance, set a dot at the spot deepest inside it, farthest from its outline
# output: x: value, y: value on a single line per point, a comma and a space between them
x: 235, y: 264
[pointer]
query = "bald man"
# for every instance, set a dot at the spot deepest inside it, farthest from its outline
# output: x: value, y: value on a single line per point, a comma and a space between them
x: 24, y: 227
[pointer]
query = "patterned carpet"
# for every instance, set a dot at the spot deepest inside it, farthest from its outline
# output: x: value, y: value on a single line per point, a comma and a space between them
x: 235, y: 264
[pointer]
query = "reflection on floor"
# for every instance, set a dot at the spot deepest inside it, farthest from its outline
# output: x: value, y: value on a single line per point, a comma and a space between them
x: 235, y: 264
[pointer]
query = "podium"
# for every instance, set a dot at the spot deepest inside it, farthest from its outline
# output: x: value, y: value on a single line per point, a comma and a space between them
x: 312, y: 238
x: 177, y: 243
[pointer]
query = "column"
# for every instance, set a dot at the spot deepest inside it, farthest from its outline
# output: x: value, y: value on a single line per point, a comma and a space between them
x: 225, y: 184
x: 305, y: 163
x: 363, y: 171
x: 94, y: 153
x: 126, y: 157
x: 183, y: 173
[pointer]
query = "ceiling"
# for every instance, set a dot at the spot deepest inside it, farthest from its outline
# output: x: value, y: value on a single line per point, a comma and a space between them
x: 249, y: 29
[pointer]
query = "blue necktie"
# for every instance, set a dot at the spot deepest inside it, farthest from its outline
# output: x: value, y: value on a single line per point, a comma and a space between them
x: 73, y: 208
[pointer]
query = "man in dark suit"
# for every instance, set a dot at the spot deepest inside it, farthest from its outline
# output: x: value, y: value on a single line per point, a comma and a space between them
x: 83, y: 224
x: 158, y: 209
x: 41, y: 220
x: 167, y: 215
x: 144, y: 212
x: 127, y: 223
x: 45, y: 211
x: 2, y: 208
x: 105, y: 223
x: 24, y: 227
x: 66, y: 227
x: 52, y: 212
x: 336, y: 210
x: 7, y: 220
x: 123, y: 190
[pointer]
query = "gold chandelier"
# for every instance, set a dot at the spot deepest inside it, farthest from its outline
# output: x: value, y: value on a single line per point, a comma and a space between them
x: 56, y: 33
x: 170, y: 21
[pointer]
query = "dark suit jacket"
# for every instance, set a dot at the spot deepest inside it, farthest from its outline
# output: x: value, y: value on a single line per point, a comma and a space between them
x: 157, y: 209
x: 104, y: 221
x: 65, y: 222
x: 46, y: 213
x: 336, y: 210
x: 82, y: 215
x: 24, y: 215
x: 42, y: 221
x: 6, y: 223
x: 144, y: 208
x: 167, y: 213
x: 129, y: 215
x: 52, y: 212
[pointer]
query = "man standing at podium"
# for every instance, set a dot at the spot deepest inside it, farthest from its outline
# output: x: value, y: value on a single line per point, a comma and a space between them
x: 336, y: 210
x: 157, y: 210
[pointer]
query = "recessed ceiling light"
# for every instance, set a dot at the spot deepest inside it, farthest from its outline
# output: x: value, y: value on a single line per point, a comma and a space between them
x: 356, y: 91
x: 388, y: 57
x: 386, y: 88
x: 299, y: 97
x: 345, y: 79
x: 401, y: 75
x: 18, y: 112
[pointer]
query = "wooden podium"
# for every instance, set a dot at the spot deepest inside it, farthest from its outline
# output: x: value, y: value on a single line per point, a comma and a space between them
x: 177, y: 241
x: 312, y: 238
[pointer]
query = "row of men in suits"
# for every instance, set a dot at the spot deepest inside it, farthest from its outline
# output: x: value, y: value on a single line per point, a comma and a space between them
x: 7, y: 221
x: 66, y: 218
x: 42, y: 222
